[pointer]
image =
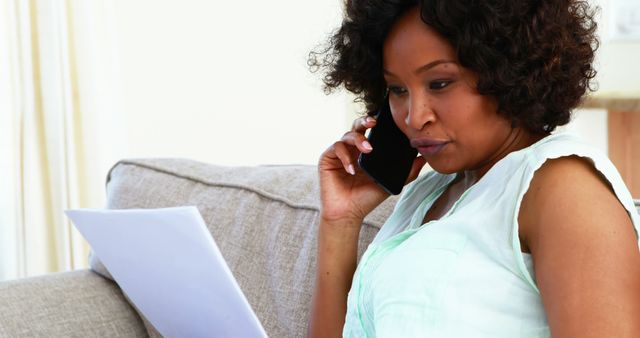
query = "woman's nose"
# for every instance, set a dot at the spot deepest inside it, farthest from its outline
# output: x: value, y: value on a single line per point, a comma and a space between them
x: 419, y: 113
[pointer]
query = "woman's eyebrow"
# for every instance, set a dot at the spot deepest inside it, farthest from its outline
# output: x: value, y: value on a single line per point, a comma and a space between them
x: 431, y: 65
x: 423, y: 68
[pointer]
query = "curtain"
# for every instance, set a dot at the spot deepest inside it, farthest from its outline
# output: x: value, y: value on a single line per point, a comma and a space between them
x: 59, y: 114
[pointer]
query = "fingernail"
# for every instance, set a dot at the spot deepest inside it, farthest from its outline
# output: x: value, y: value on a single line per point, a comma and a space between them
x: 366, y: 145
x: 351, y: 170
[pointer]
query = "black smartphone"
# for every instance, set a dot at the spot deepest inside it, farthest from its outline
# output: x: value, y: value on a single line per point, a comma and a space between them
x: 390, y: 161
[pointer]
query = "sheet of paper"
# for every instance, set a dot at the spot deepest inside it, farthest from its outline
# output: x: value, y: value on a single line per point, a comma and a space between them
x: 168, y: 264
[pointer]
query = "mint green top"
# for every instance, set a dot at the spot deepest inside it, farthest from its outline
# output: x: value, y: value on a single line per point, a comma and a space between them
x: 463, y: 275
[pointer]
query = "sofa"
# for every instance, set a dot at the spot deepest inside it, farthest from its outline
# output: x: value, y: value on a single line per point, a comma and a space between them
x: 264, y: 220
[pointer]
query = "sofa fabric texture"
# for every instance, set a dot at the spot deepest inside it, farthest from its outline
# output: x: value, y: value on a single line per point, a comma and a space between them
x: 70, y: 304
x: 263, y: 219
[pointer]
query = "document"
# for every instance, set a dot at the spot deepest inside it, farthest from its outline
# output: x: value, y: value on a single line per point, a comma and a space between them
x: 169, y: 265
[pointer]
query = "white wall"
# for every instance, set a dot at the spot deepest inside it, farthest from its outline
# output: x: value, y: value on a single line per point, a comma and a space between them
x: 590, y: 125
x: 617, y: 60
x: 228, y: 83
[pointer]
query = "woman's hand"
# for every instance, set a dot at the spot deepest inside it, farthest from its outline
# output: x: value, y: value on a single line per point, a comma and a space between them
x: 346, y: 192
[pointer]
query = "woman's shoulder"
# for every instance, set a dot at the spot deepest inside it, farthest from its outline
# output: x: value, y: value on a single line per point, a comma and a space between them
x: 570, y: 179
x: 565, y: 144
x: 562, y: 144
x: 566, y: 161
x: 563, y: 151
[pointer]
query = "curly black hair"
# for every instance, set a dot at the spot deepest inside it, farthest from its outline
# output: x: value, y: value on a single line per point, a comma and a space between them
x: 534, y: 56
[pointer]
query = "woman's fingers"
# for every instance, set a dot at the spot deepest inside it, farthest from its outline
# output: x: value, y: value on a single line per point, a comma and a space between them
x: 353, y: 143
x: 345, y: 156
x: 358, y: 140
x: 361, y: 124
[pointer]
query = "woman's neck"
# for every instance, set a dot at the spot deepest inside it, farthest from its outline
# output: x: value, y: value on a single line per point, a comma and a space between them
x: 517, y: 139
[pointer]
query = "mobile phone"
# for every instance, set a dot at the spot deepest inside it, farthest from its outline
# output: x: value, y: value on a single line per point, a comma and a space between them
x: 390, y: 161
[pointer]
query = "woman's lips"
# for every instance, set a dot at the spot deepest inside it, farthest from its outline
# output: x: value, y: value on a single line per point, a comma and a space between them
x: 428, y: 147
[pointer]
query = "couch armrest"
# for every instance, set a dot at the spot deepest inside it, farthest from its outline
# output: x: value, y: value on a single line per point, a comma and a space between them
x: 70, y: 304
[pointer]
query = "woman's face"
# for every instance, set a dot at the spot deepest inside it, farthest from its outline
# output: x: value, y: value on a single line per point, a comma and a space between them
x: 435, y: 103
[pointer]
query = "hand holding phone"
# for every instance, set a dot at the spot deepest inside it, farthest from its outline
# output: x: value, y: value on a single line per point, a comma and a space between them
x: 390, y: 161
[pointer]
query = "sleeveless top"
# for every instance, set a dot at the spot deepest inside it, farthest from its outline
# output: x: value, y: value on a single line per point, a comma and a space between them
x: 463, y: 275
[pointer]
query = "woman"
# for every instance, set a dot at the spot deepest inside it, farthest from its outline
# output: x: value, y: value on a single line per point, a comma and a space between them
x: 516, y: 232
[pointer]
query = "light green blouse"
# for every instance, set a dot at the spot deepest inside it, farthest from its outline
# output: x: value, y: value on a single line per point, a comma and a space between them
x: 463, y: 275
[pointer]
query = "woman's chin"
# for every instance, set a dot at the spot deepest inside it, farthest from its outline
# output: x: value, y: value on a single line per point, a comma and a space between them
x: 443, y: 168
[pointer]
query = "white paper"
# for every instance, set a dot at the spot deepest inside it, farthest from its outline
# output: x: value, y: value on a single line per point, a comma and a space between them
x: 168, y: 264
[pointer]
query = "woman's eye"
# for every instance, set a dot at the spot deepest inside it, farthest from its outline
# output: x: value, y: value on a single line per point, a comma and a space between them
x: 437, y: 85
x: 396, y: 90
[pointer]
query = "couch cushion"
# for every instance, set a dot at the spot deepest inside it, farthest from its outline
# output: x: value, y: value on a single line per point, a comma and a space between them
x: 68, y: 304
x: 264, y: 220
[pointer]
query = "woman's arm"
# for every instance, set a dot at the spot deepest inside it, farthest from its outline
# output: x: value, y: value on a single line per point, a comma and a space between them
x: 347, y: 195
x: 585, y: 251
x: 336, y: 263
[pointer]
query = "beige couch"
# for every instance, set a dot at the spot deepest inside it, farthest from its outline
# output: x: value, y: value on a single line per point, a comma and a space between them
x: 263, y: 219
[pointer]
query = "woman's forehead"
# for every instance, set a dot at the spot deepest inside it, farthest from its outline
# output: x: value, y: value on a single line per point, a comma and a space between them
x: 411, y: 42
